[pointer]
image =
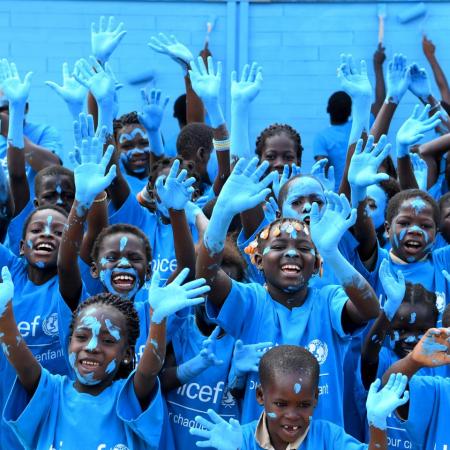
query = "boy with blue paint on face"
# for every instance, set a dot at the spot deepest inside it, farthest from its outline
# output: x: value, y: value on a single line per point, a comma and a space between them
x: 287, y: 310
x: 289, y: 394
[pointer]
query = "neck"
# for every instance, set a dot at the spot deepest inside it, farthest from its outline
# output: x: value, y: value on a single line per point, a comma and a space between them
x: 288, y: 299
x: 40, y: 276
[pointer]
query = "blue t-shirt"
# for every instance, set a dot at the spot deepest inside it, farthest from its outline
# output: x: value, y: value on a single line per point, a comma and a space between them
x: 43, y: 135
x: 136, y: 184
x: 208, y: 390
x: 41, y: 315
x: 332, y: 142
x: 321, y: 435
x: 316, y: 325
x: 57, y: 416
x: 429, y: 409
x: 160, y: 235
x: 428, y: 273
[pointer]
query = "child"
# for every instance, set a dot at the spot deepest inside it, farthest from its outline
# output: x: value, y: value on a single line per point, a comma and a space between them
x: 409, y: 311
x: 289, y: 393
x: 288, y: 257
x: 426, y: 413
x: 279, y: 144
x: 101, y: 404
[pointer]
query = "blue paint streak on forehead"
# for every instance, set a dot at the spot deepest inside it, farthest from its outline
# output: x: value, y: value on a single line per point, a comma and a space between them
x: 130, y: 136
x: 418, y: 204
x: 123, y: 243
x: 113, y: 330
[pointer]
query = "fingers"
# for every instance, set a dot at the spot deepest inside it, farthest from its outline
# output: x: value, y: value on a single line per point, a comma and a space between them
x: 192, y: 293
x: 214, y: 416
x: 106, y: 158
x: 204, y: 423
x: 374, y: 387
x: 194, y: 283
x: 182, y: 276
x: 156, y: 278
x: 215, y: 334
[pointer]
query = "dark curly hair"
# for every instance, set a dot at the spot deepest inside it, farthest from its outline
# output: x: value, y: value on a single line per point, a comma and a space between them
x: 125, y: 307
x: 275, y: 130
x: 130, y: 118
x: 120, y: 228
x: 192, y: 137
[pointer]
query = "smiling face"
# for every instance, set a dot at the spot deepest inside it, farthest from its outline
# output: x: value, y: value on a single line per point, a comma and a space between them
x: 42, y: 238
x: 278, y: 151
x: 288, y: 259
x: 289, y: 404
x: 98, y: 345
x: 410, y: 323
x: 134, y: 149
x: 56, y: 190
x: 302, y: 192
x: 122, y: 264
x: 413, y: 230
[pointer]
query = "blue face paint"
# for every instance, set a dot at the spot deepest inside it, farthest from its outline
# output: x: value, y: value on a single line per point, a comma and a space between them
x: 123, y: 243
x: 379, y: 197
x: 40, y: 264
x: 266, y: 250
x: 130, y: 136
x: 59, y: 191
x: 124, y: 262
x: 94, y: 325
x: 103, y: 261
x: 126, y: 157
x: 413, y: 317
x: 301, y: 187
x: 402, y: 234
x: 113, y: 330
x: 29, y: 243
x: 106, y: 278
x: 291, y: 253
x: 212, y: 167
x: 410, y: 340
x: 297, y: 388
x: 47, y: 227
x: 272, y: 415
x: 417, y: 229
x: 86, y: 380
x: 417, y: 204
x: 111, y: 367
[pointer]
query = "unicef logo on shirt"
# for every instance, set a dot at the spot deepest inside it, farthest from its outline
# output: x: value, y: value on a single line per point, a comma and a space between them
x: 228, y: 401
x: 50, y: 325
x: 319, y: 349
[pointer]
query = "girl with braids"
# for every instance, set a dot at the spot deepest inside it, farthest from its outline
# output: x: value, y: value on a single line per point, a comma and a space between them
x: 109, y: 404
x: 279, y: 145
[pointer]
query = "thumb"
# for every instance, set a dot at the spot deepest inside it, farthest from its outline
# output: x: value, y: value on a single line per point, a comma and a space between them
x: 110, y: 176
x: 238, y: 346
x: 154, y: 284
x: 54, y: 86
x: 374, y: 387
x: 27, y: 79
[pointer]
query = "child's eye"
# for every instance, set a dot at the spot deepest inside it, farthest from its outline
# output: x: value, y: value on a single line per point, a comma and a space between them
x: 305, y: 405
x: 280, y: 404
x: 109, y: 340
x: 58, y: 233
x: 80, y: 336
x: 270, y: 157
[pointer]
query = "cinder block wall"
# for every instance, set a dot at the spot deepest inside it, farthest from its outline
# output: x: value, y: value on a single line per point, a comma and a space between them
x: 297, y: 44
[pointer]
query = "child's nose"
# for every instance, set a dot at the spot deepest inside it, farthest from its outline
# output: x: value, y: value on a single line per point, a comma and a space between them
x: 291, y: 253
x: 306, y: 207
x: 124, y: 262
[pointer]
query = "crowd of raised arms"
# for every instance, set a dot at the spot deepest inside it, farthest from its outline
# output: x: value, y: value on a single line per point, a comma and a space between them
x: 211, y: 292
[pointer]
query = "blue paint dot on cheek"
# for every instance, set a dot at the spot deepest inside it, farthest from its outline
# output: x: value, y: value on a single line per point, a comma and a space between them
x: 29, y: 243
x: 272, y: 415
x: 266, y: 250
x: 413, y: 317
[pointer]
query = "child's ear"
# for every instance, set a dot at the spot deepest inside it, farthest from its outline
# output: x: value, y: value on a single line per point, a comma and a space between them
x: 94, y: 270
x: 260, y: 395
x: 257, y: 258
x: 387, y: 227
x: 35, y: 202
x: 201, y: 153
x: 148, y: 272
x: 318, y: 264
x: 21, y: 246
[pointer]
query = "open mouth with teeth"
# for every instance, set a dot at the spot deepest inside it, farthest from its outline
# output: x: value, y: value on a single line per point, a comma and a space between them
x: 123, y: 281
x: 291, y: 430
x: 88, y: 365
x: 412, y: 246
x: 44, y: 247
x: 291, y: 269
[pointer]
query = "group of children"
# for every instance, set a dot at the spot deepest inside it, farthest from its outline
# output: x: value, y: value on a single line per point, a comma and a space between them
x: 224, y: 298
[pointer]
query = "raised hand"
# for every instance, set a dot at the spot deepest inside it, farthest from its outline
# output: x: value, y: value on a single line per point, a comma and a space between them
x: 280, y: 180
x: 318, y: 171
x: 428, y: 48
x: 379, y: 56
x: 337, y: 212
x: 206, y: 84
x: 420, y: 169
x: 433, y: 350
x: 209, y: 350
x: 380, y: 404
x: 246, y: 187
x: 271, y: 209
x: 220, y: 434
x: 394, y: 287
x: 15, y: 90
x: 397, y: 78
x: 246, y: 357
x: 175, y: 191
x: 153, y: 109
x: 71, y: 91
x: 419, y: 83
x: 90, y: 178
x: 175, y: 296
x: 247, y: 88
x: 413, y: 129
x: 353, y: 81
x: 363, y: 170
x: 171, y: 47
x: 105, y: 40
x: 6, y: 290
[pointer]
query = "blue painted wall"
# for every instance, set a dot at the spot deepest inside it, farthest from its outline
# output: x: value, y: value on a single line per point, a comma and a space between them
x: 297, y: 44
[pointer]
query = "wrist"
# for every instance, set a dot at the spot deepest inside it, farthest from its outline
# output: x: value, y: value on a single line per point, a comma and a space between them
x: 393, y: 98
x: 215, y: 114
x: 358, y: 194
x: 402, y: 150
x: 190, y: 369
x: 15, y: 135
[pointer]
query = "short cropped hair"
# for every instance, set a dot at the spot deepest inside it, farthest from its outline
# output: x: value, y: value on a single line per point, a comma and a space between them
x: 339, y: 107
x: 53, y: 170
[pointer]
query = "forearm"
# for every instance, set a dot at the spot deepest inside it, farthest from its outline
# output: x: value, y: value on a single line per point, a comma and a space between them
x: 223, y: 158
x: 18, y: 180
x: 251, y: 220
x: 93, y: 109
x: 240, y: 143
x: 383, y: 120
x: 16, y: 350
x: 407, y: 366
x: 150, y: 363
x: 406, y: 175
x: 105, y: 115
x: 344, y: 187
x: 39, y: 157
x: 194, y: 105
x: 371, y: 349
x: 68, y: 271
x: 362, y: 305
x: 380, y: 89
x: 377, y: 439
x: 169, y: 379
x: 6, y: 204
x: 440, y: 78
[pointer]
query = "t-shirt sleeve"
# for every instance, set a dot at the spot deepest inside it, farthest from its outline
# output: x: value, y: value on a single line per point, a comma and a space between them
x: 338, y: 438
x: 7, y: 258
x: 337, y: 298
x: 423, y: 401
x: 320, y: 146
x: 31, y: 417
x: 51, y: 140
x: 147, y: 424
x: 241, y: 304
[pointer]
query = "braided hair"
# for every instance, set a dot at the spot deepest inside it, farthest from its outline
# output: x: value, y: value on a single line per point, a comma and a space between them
x: 127, y: 309
x: 274, y: 130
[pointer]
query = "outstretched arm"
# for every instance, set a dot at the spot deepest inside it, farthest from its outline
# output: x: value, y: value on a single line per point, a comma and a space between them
x: 14, y: 347
x: 439, y: 75
x: 362, y: 304
x: 380, y: 88
x: 164, y: 301
x: 6, y: 204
